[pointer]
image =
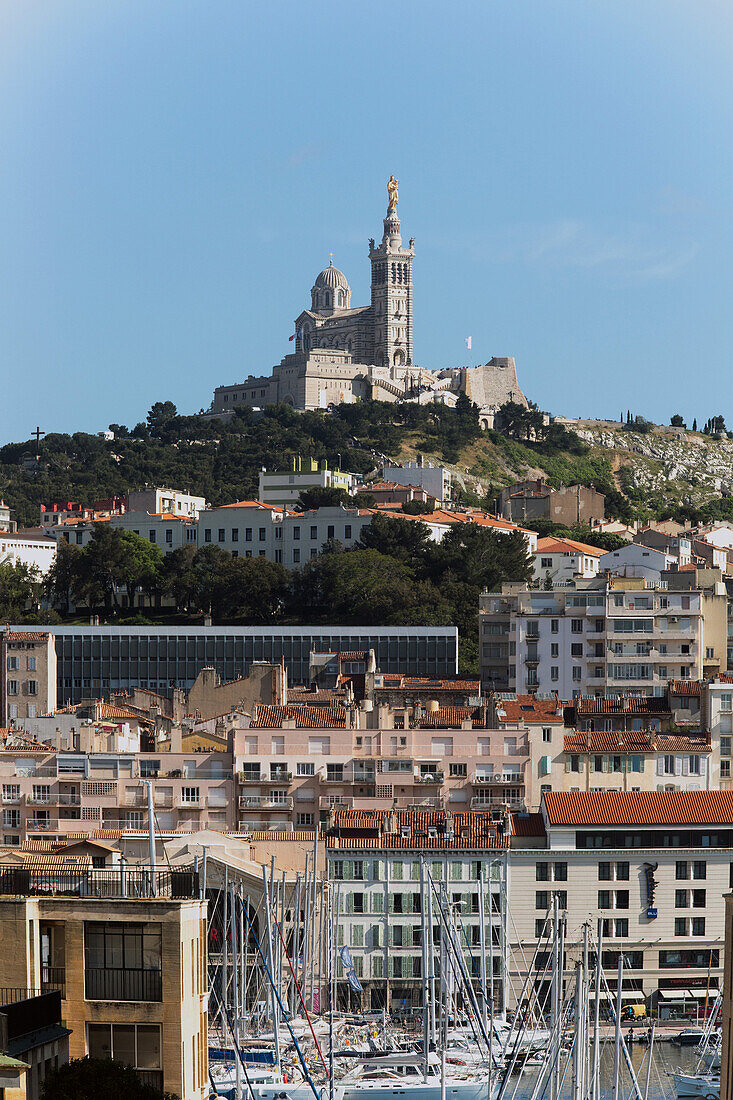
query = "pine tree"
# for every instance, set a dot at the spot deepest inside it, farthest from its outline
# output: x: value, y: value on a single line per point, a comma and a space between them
x: 694, y: 425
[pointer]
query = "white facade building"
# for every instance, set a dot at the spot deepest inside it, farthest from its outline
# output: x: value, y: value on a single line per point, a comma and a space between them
x: 557, y: 559
x: 165, y: 500
x: 435, y: 480
x: 37, y: 550
x: 637, y: 560
x: 282, y: 488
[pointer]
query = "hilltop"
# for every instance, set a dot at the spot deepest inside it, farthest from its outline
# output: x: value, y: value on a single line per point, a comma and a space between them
x: 644, y: 470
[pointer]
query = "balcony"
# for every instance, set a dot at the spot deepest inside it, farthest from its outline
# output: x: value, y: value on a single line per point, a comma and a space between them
x: 252, y: 777
x: 262, y: 802
x: 498, y: 777
x: 279, y: 776
x: 39, y: 824
x: 433, y: 778
x: 479, y: 803
x: 365, y: 777
x: 335, y: 802
x: 39, y: 799
x: 12, y: 799
x: 334, y: 777
x: 189, y: 803
x: 68, y: 798
x: 53, y: 978
x: 137, y: 882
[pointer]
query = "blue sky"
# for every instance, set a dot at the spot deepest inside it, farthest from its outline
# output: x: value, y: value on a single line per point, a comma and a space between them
x: 174, y: 174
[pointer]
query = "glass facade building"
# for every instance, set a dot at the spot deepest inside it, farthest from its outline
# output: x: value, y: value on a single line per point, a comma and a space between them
x: 94, y: 660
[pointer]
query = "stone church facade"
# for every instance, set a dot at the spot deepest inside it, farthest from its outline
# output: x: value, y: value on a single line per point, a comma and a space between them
x: 345, y: 353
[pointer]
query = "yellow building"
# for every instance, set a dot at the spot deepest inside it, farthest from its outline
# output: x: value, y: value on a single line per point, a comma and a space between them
x: 131, y: 969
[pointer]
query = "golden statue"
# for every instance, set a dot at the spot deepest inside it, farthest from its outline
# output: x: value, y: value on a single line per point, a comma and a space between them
x: 392, y: 194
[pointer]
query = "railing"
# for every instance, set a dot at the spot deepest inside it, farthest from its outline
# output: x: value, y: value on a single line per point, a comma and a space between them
x: 430, y: 777
x: 152, y: 1077
x: 12, y: 799
x: 279, y: 777
x: 494, y: 803
x: 39, y: 799
x: 69, y: 800
x: 342, y: 778
x: 252, y: 777
x: 136, y: 882
x: 262, y: 802
x: 123, y: 985
x: 499, y: 777
x: 53, y: 978
x: 44, y: 824
x: 337, y: 801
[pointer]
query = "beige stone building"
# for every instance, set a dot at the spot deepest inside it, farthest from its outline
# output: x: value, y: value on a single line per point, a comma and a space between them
x: 27, y: 674
x: 132, y: 971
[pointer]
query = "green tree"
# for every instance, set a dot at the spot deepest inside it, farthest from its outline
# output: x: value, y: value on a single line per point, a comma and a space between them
x: 140, y: 565
x: 677, y: 421
x: 250, y: 590
x: 96, y: 1078
x: 404, y: 539
x: 178, y: 577
x: 160, y: 416
x: 21, y: 588
x: 62, y: 583
x: 321, y: 497
x: 100, y: 567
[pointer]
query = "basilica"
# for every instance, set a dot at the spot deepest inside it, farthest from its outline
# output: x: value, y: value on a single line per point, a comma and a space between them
x: 344, y: 353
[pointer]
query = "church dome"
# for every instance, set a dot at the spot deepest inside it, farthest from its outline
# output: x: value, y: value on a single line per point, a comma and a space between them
x: 332, y: 278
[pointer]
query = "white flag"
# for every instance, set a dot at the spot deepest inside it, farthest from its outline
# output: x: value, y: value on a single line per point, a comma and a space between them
x: 469, y: 344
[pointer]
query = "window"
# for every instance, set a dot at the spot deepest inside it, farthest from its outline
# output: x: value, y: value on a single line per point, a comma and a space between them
x: 248, y: 534
x: 699, y: 868
x: 347, y: 531
x: 542, y: 872
x: 577, y: 674
x: 561, y: 872
x: 207, y: 534
x: 222, y: 534
x: 680, y: 926
x: 31, y: 664
x: 576, y: 649
x: 12, y: 687
x: 457, y: 771
x: 545, y: 563
x: 314, y: 532
x: 190, y: 795
x: 681, y: 872
x: 725, y: 769
x: 546, y: 734
x: 235, y: 534
x: 305, y: 767
x: 554, y: 626
x: 13, y: 664
x: 136, y: 1045
x: 604, y: 899
x: 331, y: 534
x: 726, y: 700
x: 296, y: 555
x: 539, y: 926
x: 576, y: 626
x: 725, y: 746
x: 698, y: 899
x: 554, y: 674
x: 32, y: 687
x: 149, y: 768
x: 698, y: 926
x: 296, y: 533
x: 554, y: 649
x: 122, y: 962
x: 622, y: 928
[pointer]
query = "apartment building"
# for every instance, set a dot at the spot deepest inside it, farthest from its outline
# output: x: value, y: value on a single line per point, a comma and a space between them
x: 28, y: 674
x: 652, y: 867
x: 717, y: 718
x: 282, y: 488
x: 128, y: 960
x: 604, y: 636
x: 49, y: 795
x: 390, y: 871
x: 558, y: 559
x: 157, y: 500
x: 531, y: 500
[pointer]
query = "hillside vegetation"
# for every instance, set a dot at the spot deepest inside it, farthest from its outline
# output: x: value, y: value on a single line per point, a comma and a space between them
x: 654, y: 472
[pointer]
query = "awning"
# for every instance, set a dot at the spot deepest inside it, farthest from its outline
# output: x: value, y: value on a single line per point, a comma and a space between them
x: 686, y: 994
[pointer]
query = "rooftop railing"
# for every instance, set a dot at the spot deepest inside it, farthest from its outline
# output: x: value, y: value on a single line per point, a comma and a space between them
x: 128, y: 882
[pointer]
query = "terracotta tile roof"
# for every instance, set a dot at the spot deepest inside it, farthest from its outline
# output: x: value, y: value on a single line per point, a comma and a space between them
x: 301, y: 695
x: 677, y: 743
x: 639, y: 808
x: 471, y: 829
x: 684, y: 687
x: 628, y: 704
x: 448, y: 718
x: 564, y: 546
x: 527, y: 825
x: 631, y: 741
x: 25, y: 636
x: 280, y: 834
x: 393, y: 681
x: 527, y: 708
x: 305, y: 717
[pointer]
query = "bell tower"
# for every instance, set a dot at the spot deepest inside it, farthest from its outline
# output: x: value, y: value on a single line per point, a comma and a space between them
x: 392, y: 290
